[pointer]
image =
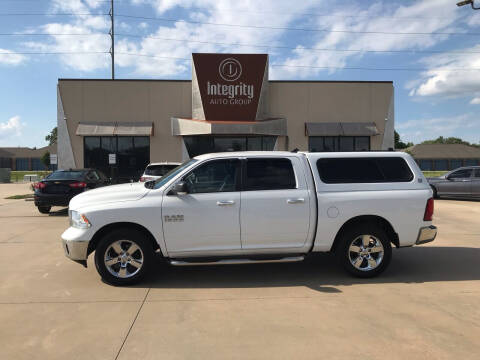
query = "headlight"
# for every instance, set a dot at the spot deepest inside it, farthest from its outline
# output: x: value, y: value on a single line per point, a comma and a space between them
x: 78, y: 220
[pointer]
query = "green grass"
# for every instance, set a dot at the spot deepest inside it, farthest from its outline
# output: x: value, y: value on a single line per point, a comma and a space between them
x: 18, y: 197
x: 16, y: 176
x: 434, y: 173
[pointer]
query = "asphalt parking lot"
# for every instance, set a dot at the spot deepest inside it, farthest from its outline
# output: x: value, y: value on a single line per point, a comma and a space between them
x: 425, y: 306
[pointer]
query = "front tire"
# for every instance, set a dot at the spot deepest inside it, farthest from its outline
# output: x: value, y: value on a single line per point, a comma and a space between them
x: 44, y: 209
x: 435, y: 194
x: 364, y: 251
x: 123, y: 257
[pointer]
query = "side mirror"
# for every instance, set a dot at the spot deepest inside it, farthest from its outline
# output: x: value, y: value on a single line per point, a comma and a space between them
x: 180, y: 188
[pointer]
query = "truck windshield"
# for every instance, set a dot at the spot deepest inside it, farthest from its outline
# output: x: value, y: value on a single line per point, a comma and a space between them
x: 168, y: 176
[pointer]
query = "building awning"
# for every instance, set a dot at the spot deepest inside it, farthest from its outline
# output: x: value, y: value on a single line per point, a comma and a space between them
x: 323, y: 129
x: 360, y: 129
x: 184, y: 127
x: 341, y: 129
x: 114, y: 128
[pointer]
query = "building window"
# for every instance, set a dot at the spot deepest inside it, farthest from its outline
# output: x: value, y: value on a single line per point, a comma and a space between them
x: 441, y: 165
x: 338, y: 143
x: 455, y: 164
x: 132, y: 153
x: 197, y: 145
x: 37, y: 164
x: 21, y: 164
x: 426, y: 165
x: 471, y: 162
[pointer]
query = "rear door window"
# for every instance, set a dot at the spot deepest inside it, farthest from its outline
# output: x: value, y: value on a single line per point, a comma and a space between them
x: 269, y: 174
x: 364, y: 170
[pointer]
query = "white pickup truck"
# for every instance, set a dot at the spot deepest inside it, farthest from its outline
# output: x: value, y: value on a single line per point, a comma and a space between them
x: 241, y: 207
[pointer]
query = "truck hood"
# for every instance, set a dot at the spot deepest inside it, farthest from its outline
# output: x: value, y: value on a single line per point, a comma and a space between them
x: 109, y: 194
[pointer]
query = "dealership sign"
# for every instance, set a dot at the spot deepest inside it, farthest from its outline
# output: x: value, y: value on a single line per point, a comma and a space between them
x: 229, y: 86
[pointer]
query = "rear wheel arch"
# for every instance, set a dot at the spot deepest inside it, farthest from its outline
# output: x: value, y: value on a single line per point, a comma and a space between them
x: 92, y: 245
x: 368, y: 219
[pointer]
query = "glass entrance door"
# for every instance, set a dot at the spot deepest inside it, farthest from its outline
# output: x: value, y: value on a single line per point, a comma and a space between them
x: 204, y: 144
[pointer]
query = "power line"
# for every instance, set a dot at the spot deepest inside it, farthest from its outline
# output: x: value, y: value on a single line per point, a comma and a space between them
x: 302, y: 48
x: 52, y: 53
x: 295, y: 29
x: 51, y: 14
x: 248, y: 45
x: 51, y: 34
x: 283, y: 12
x: 313, y: 14
x: 375, y: 69
x: 320, y: 67
x: 273, y: 65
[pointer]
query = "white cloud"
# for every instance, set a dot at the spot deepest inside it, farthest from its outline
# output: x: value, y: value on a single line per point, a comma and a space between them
x: 423, y: 16
x: 7, y: 57
x: 465, y: 126
x: 93, y: 42
x: 164, y: 57
x: 245, y: 13
x: 448, y: 76
x: 474, y: 20
x: 12, y: 127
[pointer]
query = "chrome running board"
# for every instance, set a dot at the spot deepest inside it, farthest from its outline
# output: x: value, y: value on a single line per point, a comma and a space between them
x: 236, y: 261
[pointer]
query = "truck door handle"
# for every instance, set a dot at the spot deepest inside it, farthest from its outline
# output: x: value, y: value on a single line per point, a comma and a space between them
x: 225, y: 203
x: 295, y: 201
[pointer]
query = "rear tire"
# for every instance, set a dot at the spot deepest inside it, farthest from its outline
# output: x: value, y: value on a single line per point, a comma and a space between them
x: 123, y: 257
x: 44, y: 209
x: 364, y: 251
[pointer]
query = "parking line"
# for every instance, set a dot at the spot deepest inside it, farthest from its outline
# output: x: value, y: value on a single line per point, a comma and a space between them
x: 133, y: 323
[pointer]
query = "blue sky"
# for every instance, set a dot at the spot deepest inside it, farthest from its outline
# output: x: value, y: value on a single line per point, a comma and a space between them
x: 314, y: 40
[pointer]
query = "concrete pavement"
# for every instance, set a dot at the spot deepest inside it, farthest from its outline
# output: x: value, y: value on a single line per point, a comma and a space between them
x: 425, y: 306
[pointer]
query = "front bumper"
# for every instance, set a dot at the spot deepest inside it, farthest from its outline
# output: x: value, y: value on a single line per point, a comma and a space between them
x: 75, y: 244
x: 426, y: 234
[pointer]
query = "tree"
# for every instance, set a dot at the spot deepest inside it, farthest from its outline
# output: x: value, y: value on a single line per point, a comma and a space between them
x: 449, y: 140
x: 52, y: 137
x: 399, y: 144
x: 45, y: 159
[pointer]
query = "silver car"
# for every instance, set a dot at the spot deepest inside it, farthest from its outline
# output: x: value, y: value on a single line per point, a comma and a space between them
x: 155, y: 171
x: 463, y: 182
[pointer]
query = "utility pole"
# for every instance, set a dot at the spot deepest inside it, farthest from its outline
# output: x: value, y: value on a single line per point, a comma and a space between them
x: 112, y: 37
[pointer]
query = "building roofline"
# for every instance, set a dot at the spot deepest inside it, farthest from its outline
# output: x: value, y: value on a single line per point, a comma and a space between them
x: 163, y: 80
x: 272, y: 81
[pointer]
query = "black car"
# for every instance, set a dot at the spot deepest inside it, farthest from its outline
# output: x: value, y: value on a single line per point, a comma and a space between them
x: 58, y: 188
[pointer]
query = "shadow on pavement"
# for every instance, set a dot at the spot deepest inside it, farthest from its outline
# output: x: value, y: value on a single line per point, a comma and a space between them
x: 322, y: 273
x: 61, y: 212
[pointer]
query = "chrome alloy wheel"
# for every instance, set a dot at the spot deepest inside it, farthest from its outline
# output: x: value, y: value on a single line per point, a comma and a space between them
x: 123, y: 258
x: 366, y: 252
